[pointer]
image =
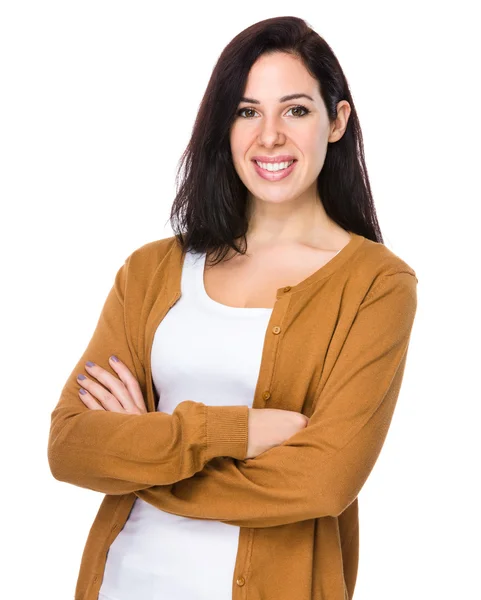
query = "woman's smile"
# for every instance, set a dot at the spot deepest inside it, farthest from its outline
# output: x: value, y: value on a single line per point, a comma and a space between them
x: 274, y: 175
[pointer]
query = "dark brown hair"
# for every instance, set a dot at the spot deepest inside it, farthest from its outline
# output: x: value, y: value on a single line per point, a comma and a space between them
x: 209, y: 211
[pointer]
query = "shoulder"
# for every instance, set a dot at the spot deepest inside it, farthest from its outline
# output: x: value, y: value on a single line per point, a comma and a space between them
x: 142, y: 265
x: 374, y: 271
x: 375, y: 260
x: 147, y: 258
x: 386, y: 276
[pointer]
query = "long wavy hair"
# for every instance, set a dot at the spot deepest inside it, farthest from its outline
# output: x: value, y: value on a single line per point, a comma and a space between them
x: 209, y: 212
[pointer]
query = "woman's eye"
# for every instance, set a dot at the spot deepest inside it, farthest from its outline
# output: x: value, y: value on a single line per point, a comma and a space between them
x: 239, y: 112
x: 306, y: 111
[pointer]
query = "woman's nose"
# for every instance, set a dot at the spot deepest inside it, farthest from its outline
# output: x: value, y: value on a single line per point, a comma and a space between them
x: 271, y: 132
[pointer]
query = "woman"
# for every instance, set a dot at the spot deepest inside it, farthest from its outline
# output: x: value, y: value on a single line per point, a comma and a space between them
x: 243, y: 373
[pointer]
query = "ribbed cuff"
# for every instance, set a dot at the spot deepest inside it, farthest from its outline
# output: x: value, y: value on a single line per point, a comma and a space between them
x: 227, y: 431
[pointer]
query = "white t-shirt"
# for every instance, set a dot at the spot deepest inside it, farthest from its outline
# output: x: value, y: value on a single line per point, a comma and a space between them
x: 211, y: 353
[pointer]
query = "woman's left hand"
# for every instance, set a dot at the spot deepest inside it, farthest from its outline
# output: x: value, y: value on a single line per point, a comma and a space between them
x: 122, y: 395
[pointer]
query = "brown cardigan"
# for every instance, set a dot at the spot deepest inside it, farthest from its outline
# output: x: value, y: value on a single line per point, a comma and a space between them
x: 335, y: 350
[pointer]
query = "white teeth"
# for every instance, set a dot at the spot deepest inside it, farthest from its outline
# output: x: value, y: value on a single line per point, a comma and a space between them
x: 274, y: 166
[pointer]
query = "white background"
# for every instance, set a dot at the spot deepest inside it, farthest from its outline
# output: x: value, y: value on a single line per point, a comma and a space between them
x: 97, y: 103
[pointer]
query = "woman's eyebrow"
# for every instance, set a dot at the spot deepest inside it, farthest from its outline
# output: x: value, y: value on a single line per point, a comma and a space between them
x: 282, y: 99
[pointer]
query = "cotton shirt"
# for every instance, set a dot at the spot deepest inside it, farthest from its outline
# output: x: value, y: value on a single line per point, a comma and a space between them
x: 334, y: 349
x: 192, y: 356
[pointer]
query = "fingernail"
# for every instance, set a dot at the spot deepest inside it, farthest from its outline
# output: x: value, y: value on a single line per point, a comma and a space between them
x: 114, y: 358
x: 89, y: 363
x: 81, y: 376
x: 82, y: 391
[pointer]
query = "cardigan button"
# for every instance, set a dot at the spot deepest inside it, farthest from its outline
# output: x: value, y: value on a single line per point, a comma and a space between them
x: 240, y: 581
x: 287, y: 288
x: 276, y: 329
x: 266, y: 395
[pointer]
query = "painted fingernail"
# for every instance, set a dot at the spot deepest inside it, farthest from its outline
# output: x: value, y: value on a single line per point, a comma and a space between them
x: 82, y: 391
x: 89, y: 363
x: 81, y: 377
x: 114, y: 358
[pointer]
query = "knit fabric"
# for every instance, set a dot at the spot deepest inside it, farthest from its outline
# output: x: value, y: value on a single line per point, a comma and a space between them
x: 335, y: 349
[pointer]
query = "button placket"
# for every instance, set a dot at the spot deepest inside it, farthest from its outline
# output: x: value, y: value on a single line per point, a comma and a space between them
x: 276, y: 330
x: 246, y: 535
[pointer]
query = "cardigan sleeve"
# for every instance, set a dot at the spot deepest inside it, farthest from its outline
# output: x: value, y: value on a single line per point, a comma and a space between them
x: 320, y: 470
x: 117, y: 453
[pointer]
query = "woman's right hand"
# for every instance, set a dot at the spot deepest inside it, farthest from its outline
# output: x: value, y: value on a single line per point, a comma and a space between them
x: 269, y: 427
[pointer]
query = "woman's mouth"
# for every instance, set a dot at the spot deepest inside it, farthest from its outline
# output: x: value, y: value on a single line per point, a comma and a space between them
x: 281, y: 170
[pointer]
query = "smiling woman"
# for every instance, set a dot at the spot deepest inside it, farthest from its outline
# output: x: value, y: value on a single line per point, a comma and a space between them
x: 275, y: 124
x: 261, y: 350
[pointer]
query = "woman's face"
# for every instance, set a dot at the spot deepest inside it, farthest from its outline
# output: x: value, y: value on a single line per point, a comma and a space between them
x: 266, y: 127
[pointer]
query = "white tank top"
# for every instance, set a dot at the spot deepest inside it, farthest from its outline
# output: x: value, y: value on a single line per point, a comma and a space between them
x: 211, y: 353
